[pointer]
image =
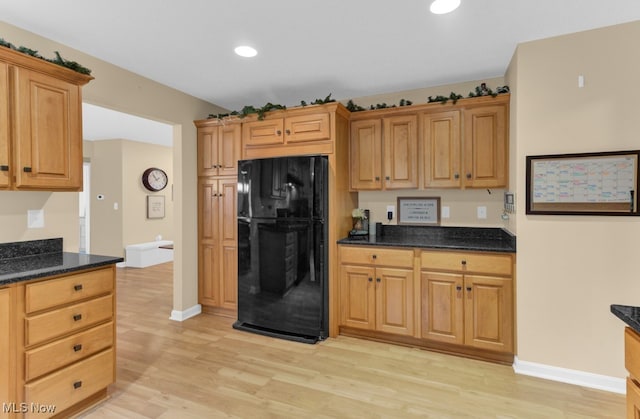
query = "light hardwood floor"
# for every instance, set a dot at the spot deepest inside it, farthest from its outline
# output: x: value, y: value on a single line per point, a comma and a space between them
x: 202, y: 368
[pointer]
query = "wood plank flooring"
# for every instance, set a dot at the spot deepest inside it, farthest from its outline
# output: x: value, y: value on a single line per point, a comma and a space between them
x: 202, y: 368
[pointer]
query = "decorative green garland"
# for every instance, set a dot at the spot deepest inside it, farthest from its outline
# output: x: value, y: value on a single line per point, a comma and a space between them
x: 481, y: 90
x: 58, y: 60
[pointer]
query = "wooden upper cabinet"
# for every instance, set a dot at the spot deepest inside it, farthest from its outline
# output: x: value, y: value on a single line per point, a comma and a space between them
x: 441, y: 149
x: 287, y: 130
x: 219, y: 150
x: 485, y: 146
x: 48, y: 142
x: 366, y: 154
x: 40, y: 124
x: 384, y: 153
x: 400, y: 152
x: 5, y: 150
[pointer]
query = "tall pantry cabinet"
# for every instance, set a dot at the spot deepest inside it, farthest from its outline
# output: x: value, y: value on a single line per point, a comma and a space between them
x: 218, y: 154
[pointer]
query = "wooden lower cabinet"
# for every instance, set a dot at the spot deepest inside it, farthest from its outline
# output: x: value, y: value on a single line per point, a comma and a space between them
x: 66, y: 343
x: 374, y: 296
x: 472, y: 310
x: 632, y: 364
x: 218, y: 245
x: 7, y: 379
x: 449, y: 301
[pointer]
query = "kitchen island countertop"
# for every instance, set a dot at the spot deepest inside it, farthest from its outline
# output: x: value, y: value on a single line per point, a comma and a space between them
x: 481, y: 239
x: 628, y: 314
x: 21, y: 261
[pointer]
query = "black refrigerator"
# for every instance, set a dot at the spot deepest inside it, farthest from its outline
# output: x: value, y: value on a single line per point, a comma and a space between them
x: 282, y: 251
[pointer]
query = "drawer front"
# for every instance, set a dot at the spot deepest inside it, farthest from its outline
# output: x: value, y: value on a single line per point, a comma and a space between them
x: 367, y: 255
x: 632, y: 352
x: 66, y: 351
x: 69, y: 289
x: 467, y: 262
x: 42, y: 327
x: 71, y: 385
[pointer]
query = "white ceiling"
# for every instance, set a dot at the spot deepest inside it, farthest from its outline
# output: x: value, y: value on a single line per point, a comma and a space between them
x: 307, y: 49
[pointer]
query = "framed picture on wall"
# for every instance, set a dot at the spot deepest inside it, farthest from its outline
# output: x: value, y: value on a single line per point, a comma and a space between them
x: 155, y: 206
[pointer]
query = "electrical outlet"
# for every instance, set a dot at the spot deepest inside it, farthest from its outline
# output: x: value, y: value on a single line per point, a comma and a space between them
x: 391, y: 210
x: 446, y: 212
x: 482, y: 213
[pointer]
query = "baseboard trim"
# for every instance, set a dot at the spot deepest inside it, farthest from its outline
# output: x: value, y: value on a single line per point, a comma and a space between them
x: 181, y: 316
x: 564, y: 375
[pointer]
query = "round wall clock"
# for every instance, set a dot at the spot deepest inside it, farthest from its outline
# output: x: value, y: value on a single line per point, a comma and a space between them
x: 155, y: 179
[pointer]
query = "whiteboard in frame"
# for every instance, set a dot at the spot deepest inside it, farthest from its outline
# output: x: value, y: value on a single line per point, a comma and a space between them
x: 419, y: 210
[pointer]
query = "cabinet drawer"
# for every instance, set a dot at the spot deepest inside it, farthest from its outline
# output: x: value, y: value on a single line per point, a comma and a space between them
x: 467, y: 262
x: 55, y: 292
x: 368, y: 255
x: 42, y: 327
x: 632, y: 352
x: 65, y: 351
x: 71, y: 385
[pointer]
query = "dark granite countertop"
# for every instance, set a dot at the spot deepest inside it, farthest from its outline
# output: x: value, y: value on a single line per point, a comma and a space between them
x: 628, y: 314
x: 21, y: 261
x: 436, y: 237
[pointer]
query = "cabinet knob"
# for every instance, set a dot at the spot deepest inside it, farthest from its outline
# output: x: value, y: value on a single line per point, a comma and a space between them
x: 469, y: 289
x: 278, y: 132
x: 77, y: 348
x: 370, y: 279
x: 378, y: 280
x: 77, y: 384
x: 387, y: 178
x: 77, y: 317
x: 464, y: 262
x: 288, y: 132
x: 468, y: 175
x: 459, y: 288
x: 77, y: 287
x: 4, y: 168
x: 456, y: 176
x: 377, y: 178
x: 375, y: 256
x: 26, y: 169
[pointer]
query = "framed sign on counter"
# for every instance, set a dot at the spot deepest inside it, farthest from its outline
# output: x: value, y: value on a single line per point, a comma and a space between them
x: 419, y: 210
x: 155, y: 206
x: 603, y: 183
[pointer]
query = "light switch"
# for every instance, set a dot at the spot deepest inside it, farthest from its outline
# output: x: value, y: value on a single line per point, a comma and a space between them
x: 482, y: 213
x: 445, y: 212
x: 35, y: 218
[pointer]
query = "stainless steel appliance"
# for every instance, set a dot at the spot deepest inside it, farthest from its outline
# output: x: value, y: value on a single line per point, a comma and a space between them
x: 282, y: 232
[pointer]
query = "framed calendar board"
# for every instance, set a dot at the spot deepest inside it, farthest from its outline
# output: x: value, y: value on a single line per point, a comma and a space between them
x: 603, y: 183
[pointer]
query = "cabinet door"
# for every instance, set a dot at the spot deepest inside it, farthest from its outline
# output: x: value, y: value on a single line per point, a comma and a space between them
x: 268, y: 132
x: 227, y: 277
x: 6, y: 385
x: 488, y: 312
x: 394, y: 301
x: 401, y: 152
x: 442, y: 307
x: 366, y: 154
x: 208, y: 151
x: 208, y: 210
x: 229, y: 149
x: 5, y: 160
x: 208, y: 273
x: 357, y: 297
x: 633, y: 399
x: 48, y: 134
x: 314, y: 127
x: 485, y: 147
x: 441, y: 149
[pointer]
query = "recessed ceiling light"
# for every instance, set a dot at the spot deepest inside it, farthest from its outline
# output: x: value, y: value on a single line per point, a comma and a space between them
x: 246, y: 51
x: 440, y: 7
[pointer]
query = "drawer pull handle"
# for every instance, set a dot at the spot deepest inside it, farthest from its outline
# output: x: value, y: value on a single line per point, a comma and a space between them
x: 464, y: 262
x: 77, y: 384
x: 26, y: 169
x: 77, y: 347
x: 77, y: 287
x: 77, y: 317
x: 375, y: 256
x: 4, y: 168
